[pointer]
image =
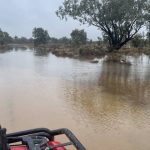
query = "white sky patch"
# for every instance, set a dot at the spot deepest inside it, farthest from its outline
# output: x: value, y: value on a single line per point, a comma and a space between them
x: 19, y: 17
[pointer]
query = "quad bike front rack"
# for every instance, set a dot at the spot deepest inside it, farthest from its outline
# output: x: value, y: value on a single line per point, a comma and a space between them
x: 38, y: 139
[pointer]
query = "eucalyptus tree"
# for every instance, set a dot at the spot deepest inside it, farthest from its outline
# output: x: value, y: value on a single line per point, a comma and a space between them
x: 4, y: 38
x: 120, y: 20
x: 78, y: 37
x: 40, y: 36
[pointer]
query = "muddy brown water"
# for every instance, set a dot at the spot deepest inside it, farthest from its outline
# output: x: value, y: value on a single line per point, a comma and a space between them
x: 106, y: 105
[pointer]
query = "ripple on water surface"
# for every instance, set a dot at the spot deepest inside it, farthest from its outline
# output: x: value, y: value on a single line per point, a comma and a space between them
x: 106, y: 105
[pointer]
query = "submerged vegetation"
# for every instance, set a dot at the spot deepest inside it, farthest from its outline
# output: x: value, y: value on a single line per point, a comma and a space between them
x: 78, y: 45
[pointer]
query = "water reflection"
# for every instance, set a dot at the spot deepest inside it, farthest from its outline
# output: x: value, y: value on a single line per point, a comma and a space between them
x: 41, y: 52
x: 5, y: 50
x: 118, y: 94
x: 105, y: 104
x: 132, y: 82
x: 13, y: 47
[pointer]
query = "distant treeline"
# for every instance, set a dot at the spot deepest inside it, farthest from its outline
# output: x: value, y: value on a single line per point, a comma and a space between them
x: 77, y: 38
x: 5, y: 38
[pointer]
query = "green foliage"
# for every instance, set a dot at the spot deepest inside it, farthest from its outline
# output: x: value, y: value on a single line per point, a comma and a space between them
x: 4, y: 38
x: 53, y: 40
x: 40, y: 36
x: 120, y: 20
x: 148, y: 36
x: 64, y: 40
x: 137, y: 41
x: 78, y: 37
x: 148, y: 32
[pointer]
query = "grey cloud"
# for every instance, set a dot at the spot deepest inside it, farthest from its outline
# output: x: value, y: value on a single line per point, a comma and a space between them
x: 19, y: 17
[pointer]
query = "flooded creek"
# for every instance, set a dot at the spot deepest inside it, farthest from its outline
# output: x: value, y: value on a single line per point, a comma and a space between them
x: 106, y: 105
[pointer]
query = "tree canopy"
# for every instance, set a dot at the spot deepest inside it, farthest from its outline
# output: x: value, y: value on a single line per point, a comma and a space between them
x: 120, y: 20
x: 40, y: 36
x: 4, y: 37
x: 78, y: 37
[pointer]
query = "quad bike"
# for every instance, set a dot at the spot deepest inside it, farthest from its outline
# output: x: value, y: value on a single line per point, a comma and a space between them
x: 37, y: 139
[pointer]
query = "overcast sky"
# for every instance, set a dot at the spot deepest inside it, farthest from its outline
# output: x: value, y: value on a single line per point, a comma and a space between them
x: 19, y: 17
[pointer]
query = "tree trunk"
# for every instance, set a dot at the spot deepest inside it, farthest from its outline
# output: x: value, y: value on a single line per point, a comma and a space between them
x: 114, y: 47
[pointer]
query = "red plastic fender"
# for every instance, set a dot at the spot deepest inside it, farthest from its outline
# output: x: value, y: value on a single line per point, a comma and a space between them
x: 18, y: 148
x: 51, y: 143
